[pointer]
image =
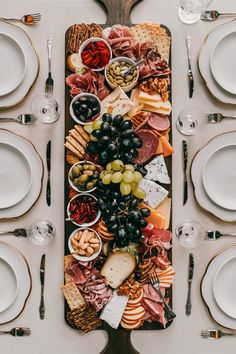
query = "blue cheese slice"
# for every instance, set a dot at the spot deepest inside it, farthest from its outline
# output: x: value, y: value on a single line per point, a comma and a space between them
x: 114, y: 309
x: 155, y: 193
x: 157, y: 170
x: 117, y: 103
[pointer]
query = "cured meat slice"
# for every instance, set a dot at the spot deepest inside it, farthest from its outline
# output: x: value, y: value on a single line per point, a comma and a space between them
x: 140, y: 119
x: 150, y: 143
x: 159, y: 122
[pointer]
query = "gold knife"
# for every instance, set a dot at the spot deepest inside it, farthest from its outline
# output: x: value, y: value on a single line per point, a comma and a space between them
x: 190, y: 73
x: 42, y: 278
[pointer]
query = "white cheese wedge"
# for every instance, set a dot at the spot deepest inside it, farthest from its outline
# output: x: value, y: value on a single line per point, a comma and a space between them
x: 117, y: 103
x: 146, y: 98
x: 113, y: 311
x: 155, y: 193
x: 137, y: 105
x: 165, y: 208
x: 157, y: 170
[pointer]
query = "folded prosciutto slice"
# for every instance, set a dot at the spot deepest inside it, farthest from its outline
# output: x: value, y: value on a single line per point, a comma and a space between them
x: 152, y: 303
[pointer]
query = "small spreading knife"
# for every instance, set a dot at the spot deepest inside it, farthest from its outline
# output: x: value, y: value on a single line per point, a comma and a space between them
x: 42, y: 277
x: 48, y: 190
x: 190, y: 73
x: 188, y: 306
x: 185, y: 163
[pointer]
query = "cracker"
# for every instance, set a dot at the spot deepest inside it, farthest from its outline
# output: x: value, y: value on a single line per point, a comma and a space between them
x: 76, y: 145
x: 71, y: 158
x: 67, y: 261
x: 72, y: 149
x: 155, y: 34
x: 84, y: 318
x: 78, y: 137
x: 73, y: 295
x: 82, y: 132
x: 77, y: 34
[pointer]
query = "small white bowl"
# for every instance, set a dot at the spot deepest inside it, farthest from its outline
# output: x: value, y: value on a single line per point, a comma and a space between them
x: 86, y: 224
x: 72, y: 184
x: 75, y: 99
x: 93, y: 39
x: 128, y: 61
x: 84, y: 258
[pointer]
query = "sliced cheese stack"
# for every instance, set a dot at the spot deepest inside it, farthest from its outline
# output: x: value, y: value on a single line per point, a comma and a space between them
x: 165, y: 276
x: 154, y: 103
x: 133, y: 314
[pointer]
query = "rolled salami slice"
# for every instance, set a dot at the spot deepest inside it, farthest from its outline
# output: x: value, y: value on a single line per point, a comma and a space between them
x: 150, y: 143
x: 159, y: 122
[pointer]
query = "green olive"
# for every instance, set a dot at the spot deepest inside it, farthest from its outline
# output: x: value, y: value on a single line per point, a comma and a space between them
x: 86, y: 167
x: 71, y: 176
x: 76, y: 170
x: 83, y: 178
x: 92, y: 168
x: 89, y: 185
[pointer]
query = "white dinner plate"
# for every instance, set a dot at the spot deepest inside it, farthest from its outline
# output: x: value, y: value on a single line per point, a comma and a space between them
x: 219, y: 177
x: 207, y: 288
x: 197, y: 166
x: 222, y: 62
x: 9, y: 285
x: 204, y: 62
x: 12, y: 64
x: 224, y: 287
x: 28, y: 150
x: 15, y: 175
x: 20, y: 266
x: 31, y: 65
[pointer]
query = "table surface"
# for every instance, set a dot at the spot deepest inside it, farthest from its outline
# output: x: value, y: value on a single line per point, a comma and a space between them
x: 53, y: 335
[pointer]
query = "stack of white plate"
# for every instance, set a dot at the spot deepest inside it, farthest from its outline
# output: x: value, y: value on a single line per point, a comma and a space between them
x: 217, y: 62
x: 15, y: 280
x: 20, y: 175
x: 218, y: 288
x: 19, y: 64
x: 213, y: 173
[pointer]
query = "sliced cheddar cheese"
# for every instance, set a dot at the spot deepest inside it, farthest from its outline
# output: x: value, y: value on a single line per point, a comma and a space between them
x: 155, y: 218
x: 167, y: 148
x: 164, y: 209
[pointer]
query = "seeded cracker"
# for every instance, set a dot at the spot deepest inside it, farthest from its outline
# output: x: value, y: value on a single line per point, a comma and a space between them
x: 73, y: 296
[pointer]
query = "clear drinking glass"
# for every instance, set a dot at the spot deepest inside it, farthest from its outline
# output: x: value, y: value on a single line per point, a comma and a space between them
x: 190, y: 10
x: 46, y: 109
x: 190, y: 120
x: 190, y: 233
x: 41, y: 232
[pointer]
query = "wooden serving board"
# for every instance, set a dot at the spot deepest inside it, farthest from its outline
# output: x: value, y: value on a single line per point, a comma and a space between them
x: 118, y: 12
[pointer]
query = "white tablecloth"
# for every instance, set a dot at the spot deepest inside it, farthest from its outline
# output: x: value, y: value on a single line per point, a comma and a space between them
x: 53, y: 336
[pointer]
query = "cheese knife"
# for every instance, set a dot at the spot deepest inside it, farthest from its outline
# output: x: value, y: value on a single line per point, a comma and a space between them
x: 188, y: 306
x: 42, y: 278
x: 48, y: 190
x: 190, y: 73
x: 185, y: 164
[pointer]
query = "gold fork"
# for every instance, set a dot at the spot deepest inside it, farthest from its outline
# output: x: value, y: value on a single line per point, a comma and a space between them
x: 213, y: 333
x: 29, y: 19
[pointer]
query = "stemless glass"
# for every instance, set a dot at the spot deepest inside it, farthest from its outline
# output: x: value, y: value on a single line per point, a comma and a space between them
x: 46, y: 109
x: 190, y: 233
x: 190, y: 120
x: 41, y: 232
x: 190, y: 10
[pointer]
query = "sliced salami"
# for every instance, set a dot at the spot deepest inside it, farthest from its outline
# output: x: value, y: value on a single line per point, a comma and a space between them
x: 150, y: 144
x: 159, y: 122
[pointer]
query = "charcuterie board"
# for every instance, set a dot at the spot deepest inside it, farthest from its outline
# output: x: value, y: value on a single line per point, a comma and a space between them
x: 73, y: 130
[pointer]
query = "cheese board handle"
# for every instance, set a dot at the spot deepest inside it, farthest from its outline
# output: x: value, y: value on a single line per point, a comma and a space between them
x: 118, y: 11
x: 118, y: 342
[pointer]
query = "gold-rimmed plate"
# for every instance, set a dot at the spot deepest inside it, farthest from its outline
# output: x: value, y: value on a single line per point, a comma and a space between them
x: 31, y: 64
x: 18, y: 263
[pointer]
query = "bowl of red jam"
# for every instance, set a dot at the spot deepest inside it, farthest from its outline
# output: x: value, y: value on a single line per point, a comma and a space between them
x: 95, y: 54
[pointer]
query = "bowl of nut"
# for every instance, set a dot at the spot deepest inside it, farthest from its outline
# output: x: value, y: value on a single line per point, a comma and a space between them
x: 83, y: 175
x: 114, y: 74
x: 84, y: 244
x: 85, y: 108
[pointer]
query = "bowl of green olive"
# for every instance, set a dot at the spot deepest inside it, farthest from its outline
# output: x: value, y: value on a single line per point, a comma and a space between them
x: 114, y: 74
x: 83, y: 176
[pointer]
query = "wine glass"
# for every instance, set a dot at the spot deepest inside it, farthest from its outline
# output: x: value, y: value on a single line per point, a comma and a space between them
x: 190, y: 120
x: 190, y: 233
x: 41, y: 232
x: 190, y: 11
x: 46, y: 109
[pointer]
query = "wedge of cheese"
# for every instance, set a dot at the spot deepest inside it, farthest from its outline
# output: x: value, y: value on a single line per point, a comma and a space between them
x: 138, y: 106
x: 144, y: 97
x: 117, y: 103
x: 113, y: 311
x: 164, y: 209
x: 157, y: 170
x: 161, y: 107
x: 155, y: 193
